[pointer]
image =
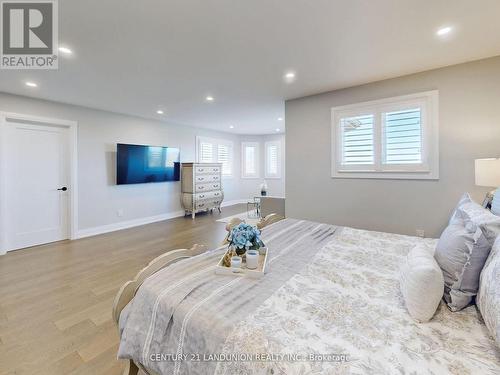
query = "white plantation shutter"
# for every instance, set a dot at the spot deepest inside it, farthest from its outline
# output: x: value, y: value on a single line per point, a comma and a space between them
x: 403, y: 137
x: 273, y: 155
x: 357, y: 140
x: 387, y: 138
x: 223, y: 157
x: 211, y: 150
x: 250, y: 160
x: 272, y: 159
x: 206, y: 152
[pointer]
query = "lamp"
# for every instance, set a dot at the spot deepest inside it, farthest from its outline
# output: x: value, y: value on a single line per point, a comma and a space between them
x: 488, y: 174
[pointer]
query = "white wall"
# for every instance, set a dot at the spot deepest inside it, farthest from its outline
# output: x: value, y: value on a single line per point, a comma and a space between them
x: 469, y: 122
x: 98, y: 133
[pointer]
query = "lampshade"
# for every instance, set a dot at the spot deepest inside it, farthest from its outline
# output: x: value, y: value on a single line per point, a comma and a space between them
x: 488, y: 172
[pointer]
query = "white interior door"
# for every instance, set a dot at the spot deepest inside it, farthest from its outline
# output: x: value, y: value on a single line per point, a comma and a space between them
x: 36, y: 172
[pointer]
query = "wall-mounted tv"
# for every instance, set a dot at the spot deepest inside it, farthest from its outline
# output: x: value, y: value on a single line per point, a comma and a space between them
x: 137, y: 164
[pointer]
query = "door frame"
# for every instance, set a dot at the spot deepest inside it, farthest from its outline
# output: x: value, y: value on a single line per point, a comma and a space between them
x: 72, y: 127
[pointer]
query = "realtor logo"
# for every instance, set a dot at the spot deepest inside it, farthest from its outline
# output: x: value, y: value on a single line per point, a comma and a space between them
x: 29, y: 34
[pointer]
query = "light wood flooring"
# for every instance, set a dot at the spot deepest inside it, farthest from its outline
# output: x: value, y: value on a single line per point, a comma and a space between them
x: 55, y: 299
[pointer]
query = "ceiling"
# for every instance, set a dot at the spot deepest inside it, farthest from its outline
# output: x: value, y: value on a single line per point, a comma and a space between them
x: 135, y: 57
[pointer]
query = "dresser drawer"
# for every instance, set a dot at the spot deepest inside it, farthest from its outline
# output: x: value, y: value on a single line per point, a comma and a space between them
x: 205, y: 205
x: 209, y: 195
x: 203, y: 179
x: 206, y: 170
x: 207, y: 187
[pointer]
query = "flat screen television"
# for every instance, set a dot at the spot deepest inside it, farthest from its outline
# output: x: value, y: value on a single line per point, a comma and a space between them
x: 137, y: 164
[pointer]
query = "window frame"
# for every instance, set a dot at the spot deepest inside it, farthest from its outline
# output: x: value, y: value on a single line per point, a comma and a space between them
x: 429, y: 168
x: 267, y: 174
x: 244, y: 173
x: 216, y: 142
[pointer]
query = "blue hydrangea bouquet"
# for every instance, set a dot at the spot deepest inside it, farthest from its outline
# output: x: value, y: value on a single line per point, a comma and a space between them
x: 244, y: 237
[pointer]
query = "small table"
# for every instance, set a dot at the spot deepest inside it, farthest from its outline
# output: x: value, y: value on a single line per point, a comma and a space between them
x: 253, y: 206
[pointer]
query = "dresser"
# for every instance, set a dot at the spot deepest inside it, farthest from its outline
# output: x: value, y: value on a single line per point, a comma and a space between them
x: 201, y: 187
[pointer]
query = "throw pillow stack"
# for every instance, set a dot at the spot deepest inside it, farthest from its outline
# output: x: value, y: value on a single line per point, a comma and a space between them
x: 462, y: 265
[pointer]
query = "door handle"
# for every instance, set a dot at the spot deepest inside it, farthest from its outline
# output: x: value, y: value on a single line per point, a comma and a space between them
x: 64, y: 188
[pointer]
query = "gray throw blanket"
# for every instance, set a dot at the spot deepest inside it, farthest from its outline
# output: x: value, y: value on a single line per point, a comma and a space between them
x: 184, y: 313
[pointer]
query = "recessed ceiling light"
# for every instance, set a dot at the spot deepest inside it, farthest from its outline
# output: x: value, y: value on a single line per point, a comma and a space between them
x: 280, y: 118
x: 65, y: 50
x: 160, y: 112
x: 289, y: 77
x: 277, y: 129
x: 31, y: 84
x: 209, y: 98
x: 231, y: 126
x: 443, y: 31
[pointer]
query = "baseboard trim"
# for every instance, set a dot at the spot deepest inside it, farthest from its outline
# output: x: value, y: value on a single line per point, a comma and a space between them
x: 233, y: 202
x: 89, y: 232
x: 95, y: 231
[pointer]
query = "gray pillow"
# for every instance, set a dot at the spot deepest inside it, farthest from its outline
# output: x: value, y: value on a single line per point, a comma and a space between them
x: 488, y: 297
x: 461, y: 253
x: 463, y: 200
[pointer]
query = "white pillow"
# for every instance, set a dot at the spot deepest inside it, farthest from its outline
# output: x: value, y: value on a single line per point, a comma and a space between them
x: 422, y: 283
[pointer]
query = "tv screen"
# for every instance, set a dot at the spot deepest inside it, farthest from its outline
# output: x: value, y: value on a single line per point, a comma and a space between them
x: 138, y: 164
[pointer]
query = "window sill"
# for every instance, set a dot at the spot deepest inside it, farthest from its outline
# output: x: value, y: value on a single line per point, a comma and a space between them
x: 387, y: 175
x: 273, y: 177
x: 251, y: 177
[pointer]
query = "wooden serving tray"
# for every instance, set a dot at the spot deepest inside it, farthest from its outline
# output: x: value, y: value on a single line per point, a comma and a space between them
x: 257, y: 273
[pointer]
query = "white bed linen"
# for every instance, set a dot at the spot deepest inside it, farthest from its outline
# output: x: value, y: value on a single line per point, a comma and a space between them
x: 348, y: 301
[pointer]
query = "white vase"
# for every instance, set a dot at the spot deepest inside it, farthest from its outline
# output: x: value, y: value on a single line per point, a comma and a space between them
x: 263, y: 188
x: 252, y: 259
x: 236, y: 262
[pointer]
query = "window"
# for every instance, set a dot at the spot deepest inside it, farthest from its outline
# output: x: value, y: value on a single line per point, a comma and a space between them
x: 273, y: 159
x: 389, y: 138
x: 210, y: 150
x: 250, y: 160
x: 206, y: 152
x: 357, y: 140
x: 224, y: 157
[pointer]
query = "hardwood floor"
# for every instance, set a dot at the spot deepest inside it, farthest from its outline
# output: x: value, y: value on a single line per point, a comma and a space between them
x: 55, y: 299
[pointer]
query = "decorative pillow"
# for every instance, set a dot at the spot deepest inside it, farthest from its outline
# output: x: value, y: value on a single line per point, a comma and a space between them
x: 422, y: 283
x: 488, y: 298
x: 464, y: 199
x: 461, y: 253
x: 480, y: 216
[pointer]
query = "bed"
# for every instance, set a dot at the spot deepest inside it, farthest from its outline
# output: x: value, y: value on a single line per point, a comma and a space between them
x: 330, y: 303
